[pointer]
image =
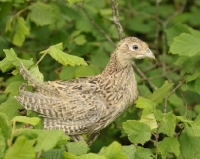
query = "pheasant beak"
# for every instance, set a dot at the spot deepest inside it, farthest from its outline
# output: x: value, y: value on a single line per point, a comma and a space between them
x: 150, y: 54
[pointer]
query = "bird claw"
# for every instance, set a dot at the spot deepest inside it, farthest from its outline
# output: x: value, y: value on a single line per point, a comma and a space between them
x: 92, y: 138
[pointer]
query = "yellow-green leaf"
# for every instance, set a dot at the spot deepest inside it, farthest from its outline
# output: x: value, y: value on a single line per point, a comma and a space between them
x: 21, y: 31
x: 159, y: 94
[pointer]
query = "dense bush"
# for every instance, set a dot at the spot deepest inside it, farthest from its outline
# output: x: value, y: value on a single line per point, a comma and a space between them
x: 164, y: 122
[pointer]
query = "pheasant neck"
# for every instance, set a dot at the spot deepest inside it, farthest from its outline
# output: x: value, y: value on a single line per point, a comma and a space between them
x: 115, y: 65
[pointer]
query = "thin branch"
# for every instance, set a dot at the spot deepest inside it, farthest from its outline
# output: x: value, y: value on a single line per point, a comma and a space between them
x: 41, y: 58
x: 180, y: 83
x: 166, y: 99
x: 115, y: 13
x: 141, y: 74
x: 175, y: 13
x: 164, y: 25
x: 156, y: 140
x: 165, y: 74
x: 185, y: 104
x: 157, y: 22
x: 95, y: 24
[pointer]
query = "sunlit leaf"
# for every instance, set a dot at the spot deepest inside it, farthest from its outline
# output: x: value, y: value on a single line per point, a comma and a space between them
x: 21, y: 31
x: 150, y: 120
x: 33, y: 121
x: 56, y: 53
x: 5, y: 127
x: 114, y: 150
x: 190, y: 146
x: 168, y: 124
x: 21, y: 149
x: 138, y: 132
x: 129, y: 151
x: 185, y: 45
x: 159, y: 94
x: 169, y: 145
x: 77, y: 148
x: 143, y: 153
x: 71, y: 2
x: 42, y: 14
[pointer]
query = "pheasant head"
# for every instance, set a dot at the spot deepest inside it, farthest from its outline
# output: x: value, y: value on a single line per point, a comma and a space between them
x: 132, y: 48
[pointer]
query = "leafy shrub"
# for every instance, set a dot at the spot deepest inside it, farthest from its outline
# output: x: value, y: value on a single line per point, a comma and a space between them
x: 164, y: 122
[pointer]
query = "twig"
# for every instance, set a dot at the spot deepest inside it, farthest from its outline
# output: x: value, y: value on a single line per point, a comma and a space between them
x: 164, y: 75
x: 143, y: 76
x: 39, y: 154
x: 175, y: 14
x: 164, y: 25
x: 157, y: 22
x: 185, y: 104
x: 115, y: 13
x: 157, y: 137
x: 41, y: 58
x: 180, y: 83
x: 95, y: 24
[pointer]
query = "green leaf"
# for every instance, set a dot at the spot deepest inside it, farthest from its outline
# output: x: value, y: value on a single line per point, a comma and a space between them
x: 192, y: 77
x: 34, y: 70
x: 190, y: 146
x: 77, y: 148
x: 185, y: 45
x: 10, y: 107
x: 83, y: 71
x: 143, y: 153
x: 197, y: 85
x: 100, y: 59
x: 129, y: 151
x: 159, y: 94
x: 5, y: 65
x: 92, y: 156
x: 192, y: 129
x: 146, y: 104
x: 47, y: 139
x: 183, y: 119
x: 9, y: 26
x: 71, y: 2
x: 169, y: 145
x: 175, y: 100
x: 21, y: 31
x: 42, y: 14
x: 67, y: 72
x: 23, y: 119
x: 138, y: 132
x: 176, y: 30
x: 113, y: 151
x: 12, y: 57
x: 52, y: 154
x: 168, y: 124
x: 13, y: 88
x: 70, y: 156
x: 150, y: 120
x: 80, y: 40
x: 21, y: 149
x: 2, y: 144
x: 56, y: 53
x: 5, y: 127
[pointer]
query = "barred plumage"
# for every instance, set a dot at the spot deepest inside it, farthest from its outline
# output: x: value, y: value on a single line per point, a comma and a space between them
x: 87, y: 105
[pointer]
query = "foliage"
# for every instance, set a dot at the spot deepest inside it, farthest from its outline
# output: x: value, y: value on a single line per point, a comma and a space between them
x: 165, y: 120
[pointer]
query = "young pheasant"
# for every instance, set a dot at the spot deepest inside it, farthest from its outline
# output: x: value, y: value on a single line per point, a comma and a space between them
x: 87, y: 105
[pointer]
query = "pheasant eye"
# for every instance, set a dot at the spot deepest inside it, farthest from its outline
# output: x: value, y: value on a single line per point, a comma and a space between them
x: 135, y: 47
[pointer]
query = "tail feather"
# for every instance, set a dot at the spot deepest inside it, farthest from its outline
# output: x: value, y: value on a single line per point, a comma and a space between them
x: 38, y: 102
x: 39, y: 86
x: 28, y: 76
